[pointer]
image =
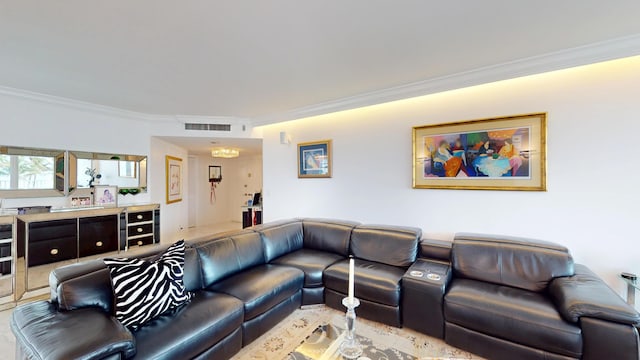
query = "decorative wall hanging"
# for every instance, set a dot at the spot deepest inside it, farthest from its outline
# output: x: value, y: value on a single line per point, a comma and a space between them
x: 505, y: 153
x: 174, y: 179
x: 215, y: 177
x: 314, y: 159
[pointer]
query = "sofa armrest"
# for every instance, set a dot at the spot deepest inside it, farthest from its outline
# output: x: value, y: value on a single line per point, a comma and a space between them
x: 585, y: 294
x: 43, y: 332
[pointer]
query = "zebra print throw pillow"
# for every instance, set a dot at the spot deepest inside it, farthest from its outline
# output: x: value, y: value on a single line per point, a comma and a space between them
x: 144, y: 290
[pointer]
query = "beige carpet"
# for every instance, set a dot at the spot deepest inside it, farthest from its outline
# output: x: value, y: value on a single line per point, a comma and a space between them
x: 403, y: 343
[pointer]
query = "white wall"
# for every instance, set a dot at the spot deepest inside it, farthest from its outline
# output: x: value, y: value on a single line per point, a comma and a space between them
x: 592, y: 197
x: 174, y: 216
x: 34, y: 120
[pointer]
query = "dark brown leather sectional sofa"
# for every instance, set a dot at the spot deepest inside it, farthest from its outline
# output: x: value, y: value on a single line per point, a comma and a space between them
x: 502, y: 298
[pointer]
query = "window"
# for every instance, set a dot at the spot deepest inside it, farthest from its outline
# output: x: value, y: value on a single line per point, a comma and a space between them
x: 24, y: 172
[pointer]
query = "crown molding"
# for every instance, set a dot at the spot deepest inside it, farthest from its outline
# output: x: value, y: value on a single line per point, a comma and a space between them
x: 80, y: 105
x: 582, y: 55
x: 117, y: 112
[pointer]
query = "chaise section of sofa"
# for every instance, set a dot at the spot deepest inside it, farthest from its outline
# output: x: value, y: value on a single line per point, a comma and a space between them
x: 81, y: 299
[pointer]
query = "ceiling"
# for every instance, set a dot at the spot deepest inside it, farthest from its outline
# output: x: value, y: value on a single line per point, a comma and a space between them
x: 256, y: 59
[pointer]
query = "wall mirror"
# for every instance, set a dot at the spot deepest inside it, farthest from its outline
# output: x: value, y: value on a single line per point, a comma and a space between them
x: 31, y: 172
x: 127, y: 172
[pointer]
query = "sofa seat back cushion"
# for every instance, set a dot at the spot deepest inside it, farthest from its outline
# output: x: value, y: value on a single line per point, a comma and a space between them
x: 328, y: 235
x: 520, y: 316
x: 391, y: 245
x: 311, y: 262
x: 262, y: 287
x: 227, y: 256
x: 280, y: 238
x: 144, y: 290
x: 192, y: 329
x: 375, y: 282
x: 523, y: 263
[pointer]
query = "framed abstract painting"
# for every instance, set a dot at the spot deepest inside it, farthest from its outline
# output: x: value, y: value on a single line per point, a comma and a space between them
x: 314, y: 159
x: 505, y: 153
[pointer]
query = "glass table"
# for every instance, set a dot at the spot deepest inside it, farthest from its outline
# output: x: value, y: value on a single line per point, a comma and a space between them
x: 324, y: 344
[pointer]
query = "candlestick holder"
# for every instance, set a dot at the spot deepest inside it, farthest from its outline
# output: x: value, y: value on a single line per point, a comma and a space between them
x: 350, y: 347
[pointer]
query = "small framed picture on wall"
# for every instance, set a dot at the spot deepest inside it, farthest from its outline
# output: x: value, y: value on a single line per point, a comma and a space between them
x: 314, y: 159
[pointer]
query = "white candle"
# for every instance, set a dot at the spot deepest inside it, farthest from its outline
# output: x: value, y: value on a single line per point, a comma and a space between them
x: 351, y: 271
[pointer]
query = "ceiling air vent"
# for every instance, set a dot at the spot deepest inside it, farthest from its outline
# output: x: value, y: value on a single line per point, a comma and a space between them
x: 207, y: 127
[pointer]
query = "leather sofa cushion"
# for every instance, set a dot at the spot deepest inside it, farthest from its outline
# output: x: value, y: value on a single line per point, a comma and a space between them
x: 227, y: 256
x: 328, y: 235
x: 261, y: 287
x: 376, y: 282
x: 311, y: 262
x: 523, y: 263
x: 280, y: 238
x: 391, y: 245
x: 43, y: 332
x: 523, y: 317
x: 192, y: 275
x: 191, y: 329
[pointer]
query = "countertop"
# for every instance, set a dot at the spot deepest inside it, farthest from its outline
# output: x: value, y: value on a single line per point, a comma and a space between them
x: 81, y: 212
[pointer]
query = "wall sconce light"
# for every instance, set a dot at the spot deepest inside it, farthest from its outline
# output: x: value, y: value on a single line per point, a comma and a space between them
x: 285, y: 139
x: 226, y: 153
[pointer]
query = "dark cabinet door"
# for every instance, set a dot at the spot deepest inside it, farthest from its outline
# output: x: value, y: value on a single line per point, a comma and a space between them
x: 59, y: 249
x: 51, y: 241
x: 98, y: 234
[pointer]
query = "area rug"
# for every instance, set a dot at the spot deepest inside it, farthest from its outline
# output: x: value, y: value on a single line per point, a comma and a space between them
x: 279, y: 342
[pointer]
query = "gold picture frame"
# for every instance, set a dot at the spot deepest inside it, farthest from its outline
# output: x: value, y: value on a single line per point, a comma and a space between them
x: 314, y: 159
x: 504, y: 153
x: 173, y: 179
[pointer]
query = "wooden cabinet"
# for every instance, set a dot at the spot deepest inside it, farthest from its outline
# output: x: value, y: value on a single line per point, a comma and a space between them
x: 31, y: 245
x: 66, y: 239
x: 142, y: 227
